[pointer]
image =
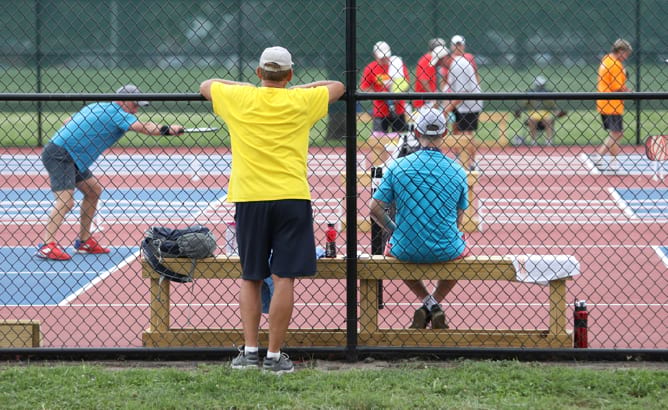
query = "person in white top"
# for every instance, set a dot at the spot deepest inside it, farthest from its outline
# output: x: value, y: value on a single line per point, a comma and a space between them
x: 462, y: 78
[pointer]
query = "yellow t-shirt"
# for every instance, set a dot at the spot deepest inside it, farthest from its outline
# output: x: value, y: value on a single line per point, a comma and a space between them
x: 611, y: 77
x: 269, y: 130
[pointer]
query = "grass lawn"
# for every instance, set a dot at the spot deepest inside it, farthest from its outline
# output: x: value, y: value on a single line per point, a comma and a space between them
x: 579, y: 127
x: 455, y: 385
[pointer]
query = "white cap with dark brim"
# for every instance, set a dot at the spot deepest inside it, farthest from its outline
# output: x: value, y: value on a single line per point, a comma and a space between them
x: 431, y: 122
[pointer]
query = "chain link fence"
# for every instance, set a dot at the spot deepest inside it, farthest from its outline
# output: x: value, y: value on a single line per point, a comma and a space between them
x: 544, y: 195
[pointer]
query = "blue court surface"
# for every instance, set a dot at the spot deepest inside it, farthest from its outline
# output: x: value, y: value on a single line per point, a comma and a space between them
x: 645, y: 203
x: 30, y: 281
x: 127, y: 204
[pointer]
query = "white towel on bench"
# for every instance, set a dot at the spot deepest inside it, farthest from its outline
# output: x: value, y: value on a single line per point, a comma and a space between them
x: 541, y: 269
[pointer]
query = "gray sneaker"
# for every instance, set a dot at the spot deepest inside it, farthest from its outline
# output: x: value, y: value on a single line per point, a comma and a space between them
x: 246, y: 361
x: 438, y: 318
x: 278, y: 366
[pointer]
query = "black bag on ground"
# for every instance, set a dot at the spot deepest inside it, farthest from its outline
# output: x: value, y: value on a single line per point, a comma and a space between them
x: 195, y: 242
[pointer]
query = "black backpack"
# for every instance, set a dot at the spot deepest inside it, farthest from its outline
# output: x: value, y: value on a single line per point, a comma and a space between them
x: 195, y: 242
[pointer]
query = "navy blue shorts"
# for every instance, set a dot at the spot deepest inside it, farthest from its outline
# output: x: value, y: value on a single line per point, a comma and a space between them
x: 467, y: 121
x: 63, y: 172
x: 612, y: 122
x: 275, y: 237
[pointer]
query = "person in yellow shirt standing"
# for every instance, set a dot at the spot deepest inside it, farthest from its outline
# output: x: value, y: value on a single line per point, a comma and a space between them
x: 612, y: 78
x: 269, y: 129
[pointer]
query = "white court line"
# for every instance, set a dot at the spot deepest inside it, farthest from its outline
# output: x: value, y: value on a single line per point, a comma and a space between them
x: 588, y: 164
x: 125, y: 262
x: 561, y: 203
x: 567, y: 245
x: 621, y: 203
x: 662, y: 256
x: 551, y: 188
x: 558, y: 221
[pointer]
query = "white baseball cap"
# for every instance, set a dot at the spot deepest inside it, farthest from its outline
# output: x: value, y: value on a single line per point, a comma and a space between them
x: 381, y: 50
x: 457, y: 40
x: 431, y: 122
x: 438, y: 53
x: 132, y: 89
x: 276, y: 59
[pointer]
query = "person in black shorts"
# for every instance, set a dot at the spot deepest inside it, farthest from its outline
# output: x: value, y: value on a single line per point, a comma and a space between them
x: 269, y: 187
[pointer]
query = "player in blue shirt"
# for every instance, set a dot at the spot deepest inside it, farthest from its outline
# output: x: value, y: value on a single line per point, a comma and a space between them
x: 69, y: 155
x: 430, y: 192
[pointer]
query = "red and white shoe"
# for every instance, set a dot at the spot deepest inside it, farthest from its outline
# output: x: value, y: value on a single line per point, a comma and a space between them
x: 89, y: 246
x: 52, y: 251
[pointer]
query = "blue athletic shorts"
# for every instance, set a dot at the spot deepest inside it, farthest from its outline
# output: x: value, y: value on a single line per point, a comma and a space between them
x: 275, y: 237
x: 63, y: 172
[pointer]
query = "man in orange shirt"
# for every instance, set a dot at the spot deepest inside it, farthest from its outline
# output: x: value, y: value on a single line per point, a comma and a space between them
x: 612, y: 78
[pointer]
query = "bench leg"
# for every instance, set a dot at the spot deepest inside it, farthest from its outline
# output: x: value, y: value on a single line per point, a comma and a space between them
x: 368, y: 306
x: 558, y: 307
x: 471, y: 222
x: 159, y: 319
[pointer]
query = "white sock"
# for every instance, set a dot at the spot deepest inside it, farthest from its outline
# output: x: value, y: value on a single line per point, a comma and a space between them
x: 273, y: 355
x: 429, y: 302
x: 250, y: 349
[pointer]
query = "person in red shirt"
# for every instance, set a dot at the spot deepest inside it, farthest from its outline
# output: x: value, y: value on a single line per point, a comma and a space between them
x: 387, y: 73
x: 428, y: 73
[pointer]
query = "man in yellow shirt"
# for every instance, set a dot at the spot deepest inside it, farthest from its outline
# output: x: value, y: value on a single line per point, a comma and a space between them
x: 612, y: 78
x: 269, y: 128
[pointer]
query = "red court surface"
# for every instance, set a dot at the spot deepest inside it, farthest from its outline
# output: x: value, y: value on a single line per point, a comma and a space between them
x: 530, y: 201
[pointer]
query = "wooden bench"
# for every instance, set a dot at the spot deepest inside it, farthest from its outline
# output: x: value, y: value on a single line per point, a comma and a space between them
x: 494, y: 268
x: 471, y: 222
x: 19, y: 333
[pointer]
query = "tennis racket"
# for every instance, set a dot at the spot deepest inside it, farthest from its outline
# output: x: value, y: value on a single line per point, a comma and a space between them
x: 200, y: 129
x: 656, y: 149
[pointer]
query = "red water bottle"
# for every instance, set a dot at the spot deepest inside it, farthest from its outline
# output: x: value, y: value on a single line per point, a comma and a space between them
x: 330, y: 246
x: 580, y: 325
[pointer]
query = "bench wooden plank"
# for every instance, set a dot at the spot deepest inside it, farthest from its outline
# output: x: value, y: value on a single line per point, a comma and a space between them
x: 374, y: 267
x: 465, y: 338
x: 383, y: 337
x: 19, y: 333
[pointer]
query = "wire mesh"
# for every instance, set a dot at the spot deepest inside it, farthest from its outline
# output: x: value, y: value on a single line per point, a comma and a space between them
x: 541, y: 176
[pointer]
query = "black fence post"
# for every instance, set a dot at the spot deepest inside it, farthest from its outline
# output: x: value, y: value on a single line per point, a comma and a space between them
x: 351, y: 183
